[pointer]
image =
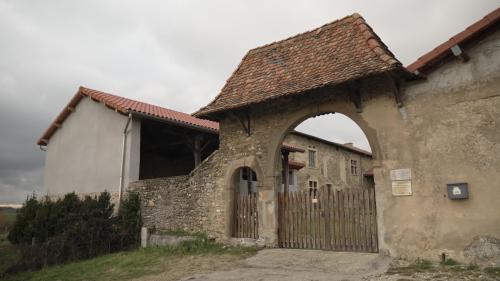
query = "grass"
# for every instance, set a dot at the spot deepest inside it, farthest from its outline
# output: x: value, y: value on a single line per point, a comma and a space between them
x: 419, y: 265
x: 136, y: 263
x: 449, y: 262
x: 493, y: 271
x: 8, y: 253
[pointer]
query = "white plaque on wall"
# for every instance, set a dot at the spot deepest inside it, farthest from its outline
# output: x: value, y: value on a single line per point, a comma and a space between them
x: 401, y: 174
x: 401, y: 188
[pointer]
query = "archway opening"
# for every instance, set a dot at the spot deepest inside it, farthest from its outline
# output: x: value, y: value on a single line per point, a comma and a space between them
x: 245, y: 215
x: 331, y: 150
x: 326, y: 194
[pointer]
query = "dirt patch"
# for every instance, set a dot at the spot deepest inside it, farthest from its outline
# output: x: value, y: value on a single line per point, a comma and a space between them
x: 183, y: 266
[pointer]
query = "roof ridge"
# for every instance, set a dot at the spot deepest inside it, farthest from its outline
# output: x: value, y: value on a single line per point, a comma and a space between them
x: 373, y: 41
x: 266, y: 46
x: 133, y: 100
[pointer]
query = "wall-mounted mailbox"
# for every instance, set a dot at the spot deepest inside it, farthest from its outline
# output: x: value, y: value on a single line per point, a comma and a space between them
x: 457, y: 191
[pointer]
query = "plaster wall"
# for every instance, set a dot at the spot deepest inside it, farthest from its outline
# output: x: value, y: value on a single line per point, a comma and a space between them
x: 447, y: 131
x: 85, y: 154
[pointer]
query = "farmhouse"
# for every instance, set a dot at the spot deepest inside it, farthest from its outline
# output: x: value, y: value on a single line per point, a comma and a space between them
x: 428, y: 188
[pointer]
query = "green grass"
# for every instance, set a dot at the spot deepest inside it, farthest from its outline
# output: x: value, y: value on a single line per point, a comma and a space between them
x: 449, y: 262
x: 493, y: 271
x: 8, y: 253
x: 131, y: 264
x: 419, y: 265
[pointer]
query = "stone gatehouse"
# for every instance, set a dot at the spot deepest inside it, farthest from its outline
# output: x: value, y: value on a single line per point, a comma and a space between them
x: 430, y: 126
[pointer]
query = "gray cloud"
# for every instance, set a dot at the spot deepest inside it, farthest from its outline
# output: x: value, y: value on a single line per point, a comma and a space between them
x: 174, y: 54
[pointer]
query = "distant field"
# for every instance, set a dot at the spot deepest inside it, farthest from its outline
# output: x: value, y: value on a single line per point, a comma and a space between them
x: 7, y: 218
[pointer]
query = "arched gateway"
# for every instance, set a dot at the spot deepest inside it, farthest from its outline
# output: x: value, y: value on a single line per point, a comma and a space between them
x: 425, y: 135
x: 341, y: 67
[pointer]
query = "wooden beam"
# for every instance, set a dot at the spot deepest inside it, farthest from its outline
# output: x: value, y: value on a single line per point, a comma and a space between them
x: 58, y: 125
x: 70, y: 108
x: 355, y: 95
x: 245, y: 121
x: 395, y: 83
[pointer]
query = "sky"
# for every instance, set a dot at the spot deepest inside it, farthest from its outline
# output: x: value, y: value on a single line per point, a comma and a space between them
x: 176, y: 54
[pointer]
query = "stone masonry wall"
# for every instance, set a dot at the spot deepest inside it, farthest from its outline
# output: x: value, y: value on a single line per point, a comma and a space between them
x: 192, y: 203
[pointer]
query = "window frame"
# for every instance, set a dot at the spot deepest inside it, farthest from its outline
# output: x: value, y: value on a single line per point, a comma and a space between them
x: 315, y: 154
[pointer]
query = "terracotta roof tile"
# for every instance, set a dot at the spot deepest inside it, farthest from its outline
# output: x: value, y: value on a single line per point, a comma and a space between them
x: 440, y: 52
x: 126, y: 106
x: 337, y: 52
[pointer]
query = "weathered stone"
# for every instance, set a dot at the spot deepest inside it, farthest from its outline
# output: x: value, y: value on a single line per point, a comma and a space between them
x: 484, y: 250
x: 168, y: 240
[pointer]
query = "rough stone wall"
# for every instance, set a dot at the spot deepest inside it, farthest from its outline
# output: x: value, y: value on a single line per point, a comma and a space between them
x: 333, y: 164
x: 447, y: 131
x: 192, y: 203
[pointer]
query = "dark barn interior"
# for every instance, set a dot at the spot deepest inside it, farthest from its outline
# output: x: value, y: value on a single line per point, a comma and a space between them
x: 171, y: 149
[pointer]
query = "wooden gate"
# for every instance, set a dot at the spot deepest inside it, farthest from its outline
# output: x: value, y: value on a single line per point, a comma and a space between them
x: 245, y: 223
x: 338, y: 220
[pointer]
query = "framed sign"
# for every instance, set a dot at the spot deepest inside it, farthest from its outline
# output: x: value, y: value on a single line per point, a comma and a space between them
x: 401, y: 188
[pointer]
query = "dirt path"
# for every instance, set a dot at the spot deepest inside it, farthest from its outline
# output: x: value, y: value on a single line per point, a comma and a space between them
x: 295, y: 265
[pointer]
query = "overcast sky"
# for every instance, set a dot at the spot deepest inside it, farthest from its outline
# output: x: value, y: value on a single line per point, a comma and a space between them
x: 173, y: 54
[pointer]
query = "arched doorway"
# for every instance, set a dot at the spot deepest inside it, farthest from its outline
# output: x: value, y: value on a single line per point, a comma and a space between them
x: 245, y: 215
x: 331, y: 204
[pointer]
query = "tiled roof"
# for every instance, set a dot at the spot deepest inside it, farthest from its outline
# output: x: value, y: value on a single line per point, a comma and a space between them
x: 347, y: 147
x: 443, y: 50
x: 126, y: 106
x: 295, y: 165
x: 291, y: 148
x: 337, y: 52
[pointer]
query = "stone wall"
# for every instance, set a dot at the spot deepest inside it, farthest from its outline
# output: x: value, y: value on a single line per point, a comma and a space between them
x: 192, y: 203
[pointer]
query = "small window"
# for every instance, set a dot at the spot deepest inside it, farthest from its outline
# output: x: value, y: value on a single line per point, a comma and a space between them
x: 354, y: 167
x: 313, y: 188
x: 313, y: 184
x: 328, y: 185
x: 291, y: 178
x: 312, y: 158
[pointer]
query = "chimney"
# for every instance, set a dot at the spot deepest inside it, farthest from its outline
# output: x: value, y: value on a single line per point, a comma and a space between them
x: 349, y: 144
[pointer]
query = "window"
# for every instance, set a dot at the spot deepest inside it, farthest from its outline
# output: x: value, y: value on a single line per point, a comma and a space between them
x: 354, y: 167
x: 312, y: 158
x: 328, y: 185
x: 245, y: 172
x: 313, y: 187
x: 313, y: 184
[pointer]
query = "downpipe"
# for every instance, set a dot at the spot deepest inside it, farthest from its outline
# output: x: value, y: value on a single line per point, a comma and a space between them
x: 122, y: 166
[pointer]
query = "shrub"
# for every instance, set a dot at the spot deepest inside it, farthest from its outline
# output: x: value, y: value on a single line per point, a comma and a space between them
x: 53, y: 232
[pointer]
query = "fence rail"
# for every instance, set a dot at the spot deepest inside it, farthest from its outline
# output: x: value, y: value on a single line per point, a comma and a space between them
x: 245, y: 219
x: 339, y: 220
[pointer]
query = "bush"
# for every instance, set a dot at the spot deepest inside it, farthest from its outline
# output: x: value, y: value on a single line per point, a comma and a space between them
x: 53, y: 232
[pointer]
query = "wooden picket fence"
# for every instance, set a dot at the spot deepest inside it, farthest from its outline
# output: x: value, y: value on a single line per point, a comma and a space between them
x: 245, y: 221
x: 338, y: 220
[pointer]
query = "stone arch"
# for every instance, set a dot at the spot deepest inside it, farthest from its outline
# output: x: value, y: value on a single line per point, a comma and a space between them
x: 231, y: 173
x: 289, y: 121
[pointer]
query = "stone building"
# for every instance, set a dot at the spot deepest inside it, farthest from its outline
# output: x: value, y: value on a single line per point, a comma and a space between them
x: 325, y: 163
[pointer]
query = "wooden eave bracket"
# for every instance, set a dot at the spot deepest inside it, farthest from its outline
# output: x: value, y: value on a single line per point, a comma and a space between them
x: 355, y: 95
x: 244, y: 121
x: 396, y: 89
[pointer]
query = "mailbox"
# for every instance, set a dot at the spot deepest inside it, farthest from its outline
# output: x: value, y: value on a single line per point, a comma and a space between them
x: 457, y: 191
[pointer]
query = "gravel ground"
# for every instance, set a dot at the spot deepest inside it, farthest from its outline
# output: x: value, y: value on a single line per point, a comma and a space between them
x: 312, y: 265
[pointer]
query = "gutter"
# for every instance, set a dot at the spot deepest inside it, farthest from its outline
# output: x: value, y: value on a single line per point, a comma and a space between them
x: 122, y: 168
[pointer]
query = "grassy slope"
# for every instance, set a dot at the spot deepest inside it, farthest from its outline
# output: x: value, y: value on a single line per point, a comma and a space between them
x: 137, y: 263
